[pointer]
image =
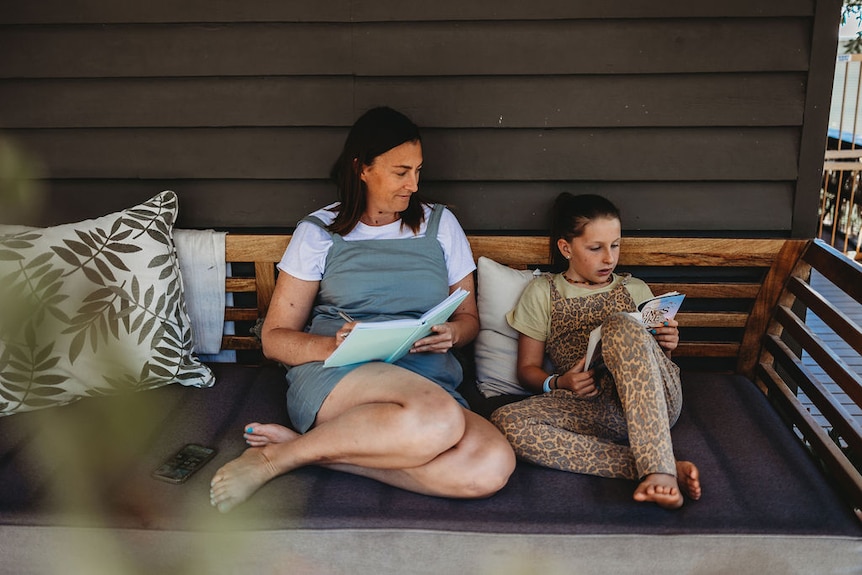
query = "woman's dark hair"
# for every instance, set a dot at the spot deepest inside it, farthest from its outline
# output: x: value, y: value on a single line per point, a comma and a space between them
x: 375, y: 132
x: 570, y: 214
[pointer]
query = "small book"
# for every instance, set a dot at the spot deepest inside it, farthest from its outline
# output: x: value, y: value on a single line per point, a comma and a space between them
x: 390, y: 340
x: 652, y: 312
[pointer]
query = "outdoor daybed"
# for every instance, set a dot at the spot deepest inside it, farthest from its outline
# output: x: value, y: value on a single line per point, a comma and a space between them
x: 77, y: 495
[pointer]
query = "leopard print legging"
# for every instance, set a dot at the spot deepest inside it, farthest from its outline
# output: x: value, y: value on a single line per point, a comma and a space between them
x: 624, y: 432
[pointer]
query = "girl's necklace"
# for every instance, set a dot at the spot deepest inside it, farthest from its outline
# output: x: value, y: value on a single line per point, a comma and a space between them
x: 586, y: 282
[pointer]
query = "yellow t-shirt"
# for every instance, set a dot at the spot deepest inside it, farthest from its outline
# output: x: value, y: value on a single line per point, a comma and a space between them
x: 532, y: 314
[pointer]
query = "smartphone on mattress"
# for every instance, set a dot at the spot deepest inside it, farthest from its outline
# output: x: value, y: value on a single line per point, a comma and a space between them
x: 182, y: 464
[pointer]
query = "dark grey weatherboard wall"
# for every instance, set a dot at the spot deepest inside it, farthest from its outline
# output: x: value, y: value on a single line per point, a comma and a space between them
x: 697, y: 117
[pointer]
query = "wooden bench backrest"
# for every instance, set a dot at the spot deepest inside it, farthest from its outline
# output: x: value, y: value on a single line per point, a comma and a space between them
x: 737, y: 309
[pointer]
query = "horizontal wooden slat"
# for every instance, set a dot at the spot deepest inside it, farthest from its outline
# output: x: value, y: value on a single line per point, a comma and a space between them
x: 498, y: 206
x: 262, y: 248
x: 239, y: 342
x: 711, y: 319
x: 95, y: 11
x: 177, y: 102
x: 854, y: 154
x: 100, y: 12
x: 706, y: 349
x: 721, y: 252
x: 547, y: 9
x: 848, y: 168
x: 241, y: 314
x: 240, y: 285
x: 709, y: 290
x: 513, y: 251
x: 660, y: 154
x: 568, y: 47
x: 167, y: 50
x: 426, y: 48
x: 636, y: 251
x: 439, y: 102
x: 664, y: 154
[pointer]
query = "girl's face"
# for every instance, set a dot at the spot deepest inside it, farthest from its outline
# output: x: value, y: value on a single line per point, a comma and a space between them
x: 391, y: 179
x: 594, y: 254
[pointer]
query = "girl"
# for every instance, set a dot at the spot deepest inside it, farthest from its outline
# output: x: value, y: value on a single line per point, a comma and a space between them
x: 613, y: 420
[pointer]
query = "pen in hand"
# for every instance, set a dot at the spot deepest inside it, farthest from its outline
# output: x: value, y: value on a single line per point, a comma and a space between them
x: 345, y: 317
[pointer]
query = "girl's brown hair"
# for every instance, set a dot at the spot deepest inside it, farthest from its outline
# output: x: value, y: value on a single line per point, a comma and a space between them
x: 571, y: 213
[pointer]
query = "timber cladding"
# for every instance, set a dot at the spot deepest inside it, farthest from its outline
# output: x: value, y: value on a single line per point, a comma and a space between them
x: 693, y: 117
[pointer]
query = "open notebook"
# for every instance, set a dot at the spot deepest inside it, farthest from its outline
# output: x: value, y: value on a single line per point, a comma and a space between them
x: 390, y: 340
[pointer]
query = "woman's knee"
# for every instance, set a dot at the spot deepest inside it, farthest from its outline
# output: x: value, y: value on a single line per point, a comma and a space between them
x: 487, y: 462
x: 491, y: 473
x: 431, y: 424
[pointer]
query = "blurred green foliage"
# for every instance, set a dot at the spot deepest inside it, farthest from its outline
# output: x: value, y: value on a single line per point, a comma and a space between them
x: 21, y: 188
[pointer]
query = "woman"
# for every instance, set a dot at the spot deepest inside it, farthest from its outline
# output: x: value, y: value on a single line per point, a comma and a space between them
x: 612, y: 421
x: 380, y: 253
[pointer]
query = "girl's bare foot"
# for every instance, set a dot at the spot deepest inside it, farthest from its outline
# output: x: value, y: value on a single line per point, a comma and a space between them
x: 260, y: 434
x: 237, y: 480
x: 660, y: 488
x: 688, y: 478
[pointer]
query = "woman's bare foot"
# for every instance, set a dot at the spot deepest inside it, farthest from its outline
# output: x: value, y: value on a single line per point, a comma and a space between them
x: 260, y: 434
x: 237, y: 480
x: 660, y: 488
x: 688, y: 478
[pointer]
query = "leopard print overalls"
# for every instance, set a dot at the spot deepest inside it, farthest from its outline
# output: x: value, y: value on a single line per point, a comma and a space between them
x: 624, y: 432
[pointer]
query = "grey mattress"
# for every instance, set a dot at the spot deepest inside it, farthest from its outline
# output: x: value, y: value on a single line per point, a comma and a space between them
x: 89, y: 464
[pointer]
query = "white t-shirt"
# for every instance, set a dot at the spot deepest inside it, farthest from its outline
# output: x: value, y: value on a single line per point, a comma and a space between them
x: 305, y: 257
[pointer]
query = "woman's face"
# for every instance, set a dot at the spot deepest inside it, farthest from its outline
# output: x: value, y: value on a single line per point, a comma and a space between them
x: 392, y: 179
x: 594, y: 254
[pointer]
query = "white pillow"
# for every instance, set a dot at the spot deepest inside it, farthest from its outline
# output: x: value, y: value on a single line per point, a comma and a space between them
x: 496, y: 348
x: 94, y: 308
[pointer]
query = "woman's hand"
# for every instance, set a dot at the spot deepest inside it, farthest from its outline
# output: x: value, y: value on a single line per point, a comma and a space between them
x: 343, y: 332
x: 667, y: 335
x: 441, y: 340
x: 581, y: 383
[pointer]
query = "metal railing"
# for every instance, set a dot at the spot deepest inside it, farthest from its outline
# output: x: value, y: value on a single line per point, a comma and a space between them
x: 840, y: 214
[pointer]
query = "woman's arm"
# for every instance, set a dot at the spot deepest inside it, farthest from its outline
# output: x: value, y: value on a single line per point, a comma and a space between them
x: 462, y: 327
x: 283, y: 335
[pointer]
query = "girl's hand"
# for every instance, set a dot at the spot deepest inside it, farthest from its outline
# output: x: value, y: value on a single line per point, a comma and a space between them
x: 441, y: 340
x: 667, y: 334
x: 581, y: 383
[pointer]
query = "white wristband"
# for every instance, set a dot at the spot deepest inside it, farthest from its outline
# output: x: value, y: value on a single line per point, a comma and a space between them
x: 546, y: 386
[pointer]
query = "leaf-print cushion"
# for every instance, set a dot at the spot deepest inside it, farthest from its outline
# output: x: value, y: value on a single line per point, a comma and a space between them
x: 94, y: 308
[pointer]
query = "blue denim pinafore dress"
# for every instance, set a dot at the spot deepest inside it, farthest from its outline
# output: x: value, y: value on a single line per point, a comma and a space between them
x: 374, y: 280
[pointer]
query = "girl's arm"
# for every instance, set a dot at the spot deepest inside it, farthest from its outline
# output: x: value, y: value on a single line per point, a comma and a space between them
x: 532, y: 374
x: 531, y: 359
